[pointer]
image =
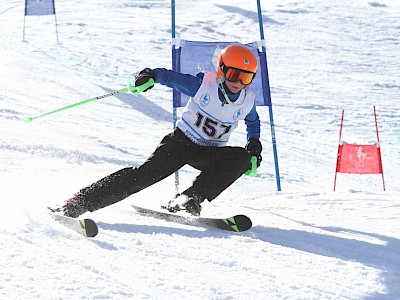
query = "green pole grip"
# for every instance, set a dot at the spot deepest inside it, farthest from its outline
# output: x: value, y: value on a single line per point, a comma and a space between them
x: 253, y: 170
x: 138, y: 89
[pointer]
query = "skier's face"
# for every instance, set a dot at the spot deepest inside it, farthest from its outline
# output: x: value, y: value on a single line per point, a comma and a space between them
x: 234, y: 87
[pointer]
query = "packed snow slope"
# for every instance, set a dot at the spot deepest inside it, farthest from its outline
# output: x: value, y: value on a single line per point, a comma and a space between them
x: 307, y: 241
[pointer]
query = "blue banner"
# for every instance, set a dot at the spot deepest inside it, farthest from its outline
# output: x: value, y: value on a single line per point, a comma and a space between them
x: 39, y: 7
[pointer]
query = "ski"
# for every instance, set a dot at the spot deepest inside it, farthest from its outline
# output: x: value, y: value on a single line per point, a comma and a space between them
x: 236, y: 223
x: 86, y: 227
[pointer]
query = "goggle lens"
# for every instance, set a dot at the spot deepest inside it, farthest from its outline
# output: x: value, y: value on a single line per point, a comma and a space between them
x: 233, y: 74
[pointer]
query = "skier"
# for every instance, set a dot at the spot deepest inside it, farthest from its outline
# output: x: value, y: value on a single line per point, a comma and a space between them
x: 218, y: 101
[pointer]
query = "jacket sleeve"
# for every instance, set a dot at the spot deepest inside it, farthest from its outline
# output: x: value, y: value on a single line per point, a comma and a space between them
x: 252, y: 121
x: 184, y: 83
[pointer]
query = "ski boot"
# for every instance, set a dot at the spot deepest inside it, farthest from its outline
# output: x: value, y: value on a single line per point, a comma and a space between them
x: 191, y: 204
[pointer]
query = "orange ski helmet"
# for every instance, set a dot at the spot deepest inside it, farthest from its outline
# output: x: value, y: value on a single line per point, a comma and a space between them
x: 237, y: 62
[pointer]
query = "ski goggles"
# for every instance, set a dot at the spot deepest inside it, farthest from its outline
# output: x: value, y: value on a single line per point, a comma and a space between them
x: 234, y: 74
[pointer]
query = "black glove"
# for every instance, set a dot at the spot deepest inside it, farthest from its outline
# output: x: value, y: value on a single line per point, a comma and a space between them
x: 144, y: 76
x: 254, y: 147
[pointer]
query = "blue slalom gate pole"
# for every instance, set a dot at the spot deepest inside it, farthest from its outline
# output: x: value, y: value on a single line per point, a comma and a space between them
x: 267, y: 94
x: 175, y: 94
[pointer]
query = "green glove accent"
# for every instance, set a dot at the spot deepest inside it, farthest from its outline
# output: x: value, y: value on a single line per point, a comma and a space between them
x: 253, y: 170
x: 138, y: 89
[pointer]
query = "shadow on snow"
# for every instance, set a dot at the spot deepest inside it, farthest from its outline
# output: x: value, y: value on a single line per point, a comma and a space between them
x: 384, y: 257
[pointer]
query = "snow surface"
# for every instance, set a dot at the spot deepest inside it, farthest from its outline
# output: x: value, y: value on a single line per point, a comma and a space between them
x: 307, y: 242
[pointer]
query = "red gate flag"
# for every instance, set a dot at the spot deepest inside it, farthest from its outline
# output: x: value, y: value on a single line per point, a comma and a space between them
x: 39, y: 7
x: 359, y: 159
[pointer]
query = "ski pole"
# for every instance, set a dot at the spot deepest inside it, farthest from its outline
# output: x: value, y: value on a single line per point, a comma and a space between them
x: 135, y: 90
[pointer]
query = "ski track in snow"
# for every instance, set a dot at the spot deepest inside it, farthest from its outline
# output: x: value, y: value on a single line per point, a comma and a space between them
x: 307, y: 242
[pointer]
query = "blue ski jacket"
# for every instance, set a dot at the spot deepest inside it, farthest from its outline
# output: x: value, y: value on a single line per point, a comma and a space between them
x: 189, y: 85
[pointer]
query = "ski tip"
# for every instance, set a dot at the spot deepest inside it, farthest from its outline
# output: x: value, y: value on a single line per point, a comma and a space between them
x: 245, y: 223
x: 90, y: 227
x: 238, y: 223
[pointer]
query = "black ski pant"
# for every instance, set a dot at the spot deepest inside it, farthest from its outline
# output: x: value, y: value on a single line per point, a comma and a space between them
x: 219, y: 166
